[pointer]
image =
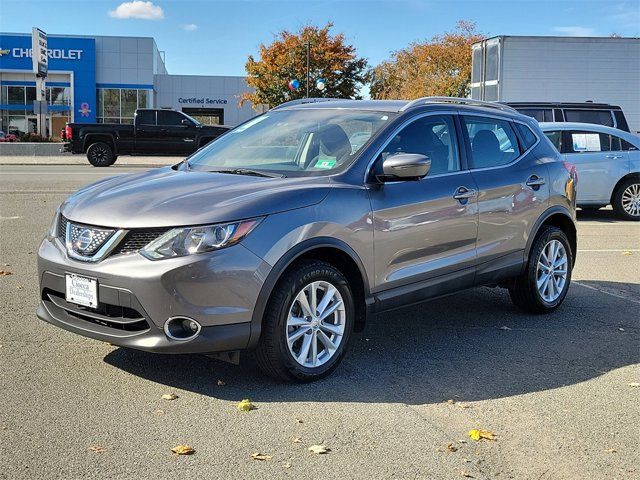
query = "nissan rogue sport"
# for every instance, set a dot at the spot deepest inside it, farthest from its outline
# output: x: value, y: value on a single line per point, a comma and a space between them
x: 283, y: 235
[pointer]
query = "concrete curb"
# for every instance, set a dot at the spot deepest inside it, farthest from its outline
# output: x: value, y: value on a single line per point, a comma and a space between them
x: 28, y: 149
x: 68, y: 159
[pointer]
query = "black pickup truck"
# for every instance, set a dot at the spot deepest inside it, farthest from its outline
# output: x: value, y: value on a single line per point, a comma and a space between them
x: 154, y: 132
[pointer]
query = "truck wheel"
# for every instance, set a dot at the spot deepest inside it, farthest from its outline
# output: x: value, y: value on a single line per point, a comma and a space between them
x: 545, y: 281
x: 307, y: 324
x: 626, y: 199
x: 100, y: 154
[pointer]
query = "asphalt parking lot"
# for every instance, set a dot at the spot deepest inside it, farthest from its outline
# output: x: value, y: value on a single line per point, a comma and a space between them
x: 557, y: 391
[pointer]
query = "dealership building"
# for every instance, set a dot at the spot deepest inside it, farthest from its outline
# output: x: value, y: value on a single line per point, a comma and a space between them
x: 104, y: 79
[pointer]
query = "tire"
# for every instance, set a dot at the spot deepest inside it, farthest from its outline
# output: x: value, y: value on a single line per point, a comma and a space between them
x: 274, y: 355
x: 100, y: 154
x: 626, y: 199
x: 524, y: 290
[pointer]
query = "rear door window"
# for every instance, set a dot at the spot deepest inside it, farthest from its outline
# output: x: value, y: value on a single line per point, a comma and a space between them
x: 584, y: 142
x: 597, y: 117
x: 493, y: 141
x: 146, y: 117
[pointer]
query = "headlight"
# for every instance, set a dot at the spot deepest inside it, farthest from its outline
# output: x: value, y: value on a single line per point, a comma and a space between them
x: 179, y: 242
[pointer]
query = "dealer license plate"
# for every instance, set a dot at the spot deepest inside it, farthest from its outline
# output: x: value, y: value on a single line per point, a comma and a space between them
x: 82, y: 290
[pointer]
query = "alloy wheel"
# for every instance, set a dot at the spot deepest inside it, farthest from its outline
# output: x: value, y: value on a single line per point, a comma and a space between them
x: 315, y: 324
x: 631, y: 200
x: 551, y: 274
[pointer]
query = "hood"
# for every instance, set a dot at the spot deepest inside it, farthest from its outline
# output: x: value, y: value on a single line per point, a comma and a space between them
x: 165, y: 197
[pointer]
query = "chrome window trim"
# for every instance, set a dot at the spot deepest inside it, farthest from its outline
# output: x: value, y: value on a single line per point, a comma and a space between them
x: 397, y: 130
x: 102, y: 252
x: 516, y: 160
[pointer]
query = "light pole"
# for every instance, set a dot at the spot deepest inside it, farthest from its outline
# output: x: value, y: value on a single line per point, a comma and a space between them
x: 308, y: 45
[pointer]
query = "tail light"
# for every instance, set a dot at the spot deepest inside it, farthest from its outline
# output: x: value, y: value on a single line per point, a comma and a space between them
x: 571, y: 168
x: 68, y: 132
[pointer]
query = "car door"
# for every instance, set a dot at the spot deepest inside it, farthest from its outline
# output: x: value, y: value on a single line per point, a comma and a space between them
x: 177, y: 132
x: 425, y: 230
x: 599, y: 161
x: 512, y: 191
x: 146, y: 131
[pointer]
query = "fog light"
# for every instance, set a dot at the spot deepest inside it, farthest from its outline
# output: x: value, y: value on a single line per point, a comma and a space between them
x: 181, y: 328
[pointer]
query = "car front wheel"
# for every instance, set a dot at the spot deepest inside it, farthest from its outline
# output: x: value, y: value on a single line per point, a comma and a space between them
x: 100, y: 154
x: 545, y: 282
x: 307, y: 323
x: 626, y: 200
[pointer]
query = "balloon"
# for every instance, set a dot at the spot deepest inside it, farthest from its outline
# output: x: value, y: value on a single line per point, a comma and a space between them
x: 320, y: 84
x: 294, y: 84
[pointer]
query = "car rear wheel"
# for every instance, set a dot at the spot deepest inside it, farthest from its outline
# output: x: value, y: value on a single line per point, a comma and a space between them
x: 307, y: 323
x: 626, y: 199
x: 545, y: 282
x: 100, y: 154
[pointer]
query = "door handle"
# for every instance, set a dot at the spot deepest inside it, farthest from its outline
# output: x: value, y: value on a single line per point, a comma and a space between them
x: 464, y: 193
x: 613, y: 156
x: 535, y: 182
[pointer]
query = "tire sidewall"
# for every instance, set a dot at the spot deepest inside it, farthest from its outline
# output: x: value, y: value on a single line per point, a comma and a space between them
x: 534, y: 257
x: 293, y: 286
x: 103, y: 163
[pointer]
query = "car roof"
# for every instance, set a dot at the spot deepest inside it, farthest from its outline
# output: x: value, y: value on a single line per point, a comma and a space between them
x: 563, y: 105
x: 399, y: 106
x: 590, y: 127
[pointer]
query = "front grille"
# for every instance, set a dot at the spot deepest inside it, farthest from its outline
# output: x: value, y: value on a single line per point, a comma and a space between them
x: 137, y: 239
x: 133, y: 241
x: 62, y: 228
x: 87, y: 240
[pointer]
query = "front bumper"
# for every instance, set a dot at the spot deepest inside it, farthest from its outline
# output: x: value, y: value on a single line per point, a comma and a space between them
x: 136, y: 296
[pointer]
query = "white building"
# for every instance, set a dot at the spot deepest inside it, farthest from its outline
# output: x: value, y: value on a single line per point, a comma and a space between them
x: 559, y: 69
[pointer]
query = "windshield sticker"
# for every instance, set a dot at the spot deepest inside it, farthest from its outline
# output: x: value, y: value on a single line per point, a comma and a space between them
x: 251, y: 123
x: 325, y: 164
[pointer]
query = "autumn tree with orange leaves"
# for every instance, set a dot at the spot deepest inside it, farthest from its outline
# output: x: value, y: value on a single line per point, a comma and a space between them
x: 285, y: 59
x: 438, y: 67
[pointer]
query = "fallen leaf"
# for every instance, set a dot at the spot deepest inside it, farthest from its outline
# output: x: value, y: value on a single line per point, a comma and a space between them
x: 466, y: 474
x: 221, y: 383
x: 183, y: 450
x: 452, y: 448
x: 297, y: 440
x: 169, y: 396
x: 464, y: 405
x: 261, y: 456
x: 299, y: 420
x: 97, y: 449
x: 246, y: 405
x: 286, y: 465
x: 505, y: 328
x: 466, y: 460
x: 611, y: 450
x: 451, y: 401
x: 319, y: 449
x: 476, y: 434
x: 634, y: 384
x: 627, y: 252
x: 5, y: 272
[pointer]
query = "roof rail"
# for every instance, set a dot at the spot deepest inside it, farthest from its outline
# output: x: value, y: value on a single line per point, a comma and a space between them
x: 459, y: 101
x: 301, y: 101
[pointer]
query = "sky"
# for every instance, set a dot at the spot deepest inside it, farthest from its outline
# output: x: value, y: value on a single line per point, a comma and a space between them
x: 211, y: 37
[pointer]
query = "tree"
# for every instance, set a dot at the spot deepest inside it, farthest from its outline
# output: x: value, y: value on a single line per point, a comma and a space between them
x: 440, y: 67
x: 285, y: 59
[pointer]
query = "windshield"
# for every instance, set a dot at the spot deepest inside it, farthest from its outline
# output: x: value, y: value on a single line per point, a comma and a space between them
x: 292, y: 142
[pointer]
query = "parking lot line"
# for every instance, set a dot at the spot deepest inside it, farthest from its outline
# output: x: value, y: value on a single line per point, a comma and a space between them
x: 609, y: 250
x: 605, y: 292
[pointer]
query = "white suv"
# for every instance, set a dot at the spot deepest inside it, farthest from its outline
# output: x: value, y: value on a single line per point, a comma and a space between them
x: 607, y: 161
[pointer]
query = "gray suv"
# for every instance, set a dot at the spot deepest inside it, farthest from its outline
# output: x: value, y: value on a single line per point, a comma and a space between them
x: 283, y: 235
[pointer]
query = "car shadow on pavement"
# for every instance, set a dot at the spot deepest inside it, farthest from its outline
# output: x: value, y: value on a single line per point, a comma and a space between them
x: 603, y: 215
x: 471, y: 346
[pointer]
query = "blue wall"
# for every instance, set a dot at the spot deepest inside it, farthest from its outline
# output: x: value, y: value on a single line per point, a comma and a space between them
x: 66, y: 54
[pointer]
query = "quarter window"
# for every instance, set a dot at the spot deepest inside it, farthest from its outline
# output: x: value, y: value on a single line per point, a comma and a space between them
x: 529, y: 138
x: 433, y: 136
x: 556, y: 138
x: 493, y: 142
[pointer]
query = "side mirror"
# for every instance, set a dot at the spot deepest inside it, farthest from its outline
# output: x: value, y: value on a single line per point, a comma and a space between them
x: 404, y: 166
x: 185, y: 122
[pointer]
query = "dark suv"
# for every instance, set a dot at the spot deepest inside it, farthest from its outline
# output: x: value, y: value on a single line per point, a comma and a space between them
x: 283, y: 235
x: 585, y: 112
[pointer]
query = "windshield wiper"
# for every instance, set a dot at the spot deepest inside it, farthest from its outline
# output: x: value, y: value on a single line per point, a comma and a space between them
x: 246, y: 171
